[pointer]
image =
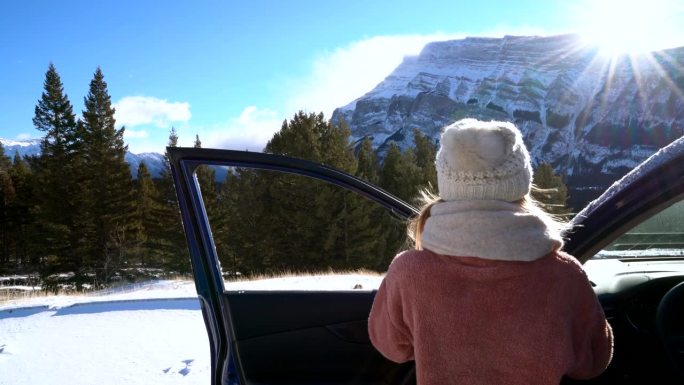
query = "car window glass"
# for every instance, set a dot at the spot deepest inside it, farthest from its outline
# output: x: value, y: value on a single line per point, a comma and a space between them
x: 660, y: 236
x: 274, y: 230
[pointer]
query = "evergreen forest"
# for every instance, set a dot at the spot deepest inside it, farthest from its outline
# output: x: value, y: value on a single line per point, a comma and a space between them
x: 73, y: 216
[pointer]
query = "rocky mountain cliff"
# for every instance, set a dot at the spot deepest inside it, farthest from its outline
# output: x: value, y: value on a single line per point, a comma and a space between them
x: 591, y: 116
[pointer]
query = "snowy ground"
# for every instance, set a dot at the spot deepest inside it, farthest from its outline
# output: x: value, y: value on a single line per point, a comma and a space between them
x: 148, y: 334
x: 151, y: 335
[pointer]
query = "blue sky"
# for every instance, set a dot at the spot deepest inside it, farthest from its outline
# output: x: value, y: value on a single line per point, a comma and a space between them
x: 231, y: 71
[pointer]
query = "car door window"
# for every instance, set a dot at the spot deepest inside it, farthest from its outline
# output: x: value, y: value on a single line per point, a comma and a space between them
x: 660, y: 236
x: 270, y: 225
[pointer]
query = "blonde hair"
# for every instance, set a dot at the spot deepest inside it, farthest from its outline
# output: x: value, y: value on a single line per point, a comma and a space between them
x: 556, y: 223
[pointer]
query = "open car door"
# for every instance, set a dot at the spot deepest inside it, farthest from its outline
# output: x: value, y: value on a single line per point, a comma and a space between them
x: 267, y: 335
x: 631, y: 241
x: 275, y: 334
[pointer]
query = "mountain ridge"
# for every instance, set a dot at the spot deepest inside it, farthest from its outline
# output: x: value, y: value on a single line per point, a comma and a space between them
x: 592, y: 119
x: 30, y: 147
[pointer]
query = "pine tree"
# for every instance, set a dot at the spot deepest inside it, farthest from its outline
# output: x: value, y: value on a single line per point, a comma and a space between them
x: 425, y: 152
x: 390, y: 175
x: 400, y: 174
x: 168, y: 193
x: 310, y: 225
x: 216, y: 198
x: 352, y: 236
x: 54, y: 115
x: 109, y: 181
x: 206, y: 177
x: 21, y: 216
x: 300, y: 137
x: 290, y: 202
x: 147, y: 209
x: 59, y: 191
x: 166, y: 170
x: 246, y: 249
x: 171, y: 249
x: 367, y: 162
x: 5, y: 162
x: 386, y: 230
x: 551, y: 191
x: 334, y: 146
x: 7, y: 196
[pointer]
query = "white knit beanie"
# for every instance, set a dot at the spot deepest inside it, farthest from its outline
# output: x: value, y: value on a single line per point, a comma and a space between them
x: 483, y: 160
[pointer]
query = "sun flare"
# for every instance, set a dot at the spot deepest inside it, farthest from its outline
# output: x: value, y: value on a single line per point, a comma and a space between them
x: 630, y: 26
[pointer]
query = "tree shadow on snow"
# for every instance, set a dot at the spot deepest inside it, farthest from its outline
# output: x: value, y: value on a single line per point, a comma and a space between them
x: 130, y: 305
x: 22, y: 312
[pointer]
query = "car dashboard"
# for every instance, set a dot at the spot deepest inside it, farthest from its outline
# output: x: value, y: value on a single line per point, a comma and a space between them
x: 631, y: 292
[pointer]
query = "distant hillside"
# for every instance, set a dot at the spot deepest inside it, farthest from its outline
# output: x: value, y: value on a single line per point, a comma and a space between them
x: 154, y: 161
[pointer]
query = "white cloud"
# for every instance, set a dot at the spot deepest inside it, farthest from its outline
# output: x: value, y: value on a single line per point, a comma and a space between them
x: 23, y: 136
x: 249, y: 131
x: 137, y: 134
x: 658, y: 21
x: 134, y: 111
x: 344, y: 74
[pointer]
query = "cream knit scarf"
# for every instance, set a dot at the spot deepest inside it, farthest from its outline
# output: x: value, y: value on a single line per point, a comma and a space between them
x: 488, y: 229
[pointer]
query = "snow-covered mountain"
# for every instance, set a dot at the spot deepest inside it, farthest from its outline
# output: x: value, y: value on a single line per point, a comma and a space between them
x: 592, y: 118
x: 154, y: 161
x: 23, y: 147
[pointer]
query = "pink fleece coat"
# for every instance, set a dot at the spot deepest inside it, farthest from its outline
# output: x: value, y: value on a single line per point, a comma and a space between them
x: 467, y: 320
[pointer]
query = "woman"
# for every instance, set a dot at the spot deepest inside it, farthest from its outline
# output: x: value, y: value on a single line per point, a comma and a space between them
x: 487, y: 297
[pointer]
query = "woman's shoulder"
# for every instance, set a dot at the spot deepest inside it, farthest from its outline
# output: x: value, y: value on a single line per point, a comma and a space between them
x: 565, y: 263
x: 410, y: 268
x: 410, y: 259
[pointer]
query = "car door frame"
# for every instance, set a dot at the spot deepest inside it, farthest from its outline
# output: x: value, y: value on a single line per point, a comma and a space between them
x: 205, y: 263
x: 649, y: 188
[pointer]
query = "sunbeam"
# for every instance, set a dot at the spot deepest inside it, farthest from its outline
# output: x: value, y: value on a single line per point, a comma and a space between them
x: 620, y: 27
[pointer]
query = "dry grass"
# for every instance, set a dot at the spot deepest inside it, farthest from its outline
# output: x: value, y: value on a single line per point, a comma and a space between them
x: 293, y: 274
x: 19, y: 293
x: 9, y: 293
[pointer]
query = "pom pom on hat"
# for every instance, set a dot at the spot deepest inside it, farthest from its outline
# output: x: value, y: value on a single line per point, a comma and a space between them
x: 483, y: 160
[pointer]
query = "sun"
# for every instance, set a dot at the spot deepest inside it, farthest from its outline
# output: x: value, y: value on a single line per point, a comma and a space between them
x: 630, y: 27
